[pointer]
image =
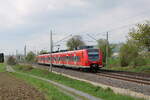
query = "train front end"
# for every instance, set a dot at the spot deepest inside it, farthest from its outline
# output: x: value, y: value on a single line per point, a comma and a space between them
x: 94, y: 59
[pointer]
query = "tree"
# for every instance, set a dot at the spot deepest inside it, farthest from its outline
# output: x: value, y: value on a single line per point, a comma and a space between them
x: 31, y: 57
x: 75, y: 42
x: 141, y: 34
x: 11, y: 60
x: 43, y: 52
x: 102, y: 45
x: 128, y: 53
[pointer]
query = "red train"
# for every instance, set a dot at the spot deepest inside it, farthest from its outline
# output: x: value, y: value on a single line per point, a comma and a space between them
x: 82, y: 59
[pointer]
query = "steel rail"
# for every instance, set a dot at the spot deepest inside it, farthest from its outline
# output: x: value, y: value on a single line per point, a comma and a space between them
x: 125, y: 78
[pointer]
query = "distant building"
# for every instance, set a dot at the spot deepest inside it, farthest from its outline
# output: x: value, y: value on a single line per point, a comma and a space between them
x: 116, y: 54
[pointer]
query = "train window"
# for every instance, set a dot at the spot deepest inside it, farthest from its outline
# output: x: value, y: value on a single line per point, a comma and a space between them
x: 63, y: 58
x: 67, y: 58
x: 78, y: 58
x: 70, y: 58
x: 74, y: 58
x: 58, y: 58
x: 49, y: 58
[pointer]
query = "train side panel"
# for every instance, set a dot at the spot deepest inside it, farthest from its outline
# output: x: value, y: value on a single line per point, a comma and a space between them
x: 74, y: 59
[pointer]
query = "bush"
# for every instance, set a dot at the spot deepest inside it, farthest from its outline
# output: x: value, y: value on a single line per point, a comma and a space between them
x: 124, y: 61
x: 25, y: 67
x: 11, y: 61
x: 128, y: 53
x: 139, y: 61
x: 31, y: 57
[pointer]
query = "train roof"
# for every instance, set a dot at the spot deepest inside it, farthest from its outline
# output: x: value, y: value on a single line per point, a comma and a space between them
x: 66, y: 52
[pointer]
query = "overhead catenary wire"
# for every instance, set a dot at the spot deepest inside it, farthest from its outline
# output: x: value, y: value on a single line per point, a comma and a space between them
x: 63, y: 39
x: 109, y: 30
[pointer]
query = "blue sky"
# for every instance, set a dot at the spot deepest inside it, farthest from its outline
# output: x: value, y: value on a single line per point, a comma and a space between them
x: 29, y: 21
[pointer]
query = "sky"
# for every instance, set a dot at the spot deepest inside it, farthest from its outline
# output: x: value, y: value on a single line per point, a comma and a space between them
x: 29, y: 22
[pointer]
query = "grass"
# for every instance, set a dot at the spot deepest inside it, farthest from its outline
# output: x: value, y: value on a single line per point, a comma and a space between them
x: 138, y: 69
x: 2, y: 67
x: 114, y: 65
x: 50, y: 91
x: 106, y: 94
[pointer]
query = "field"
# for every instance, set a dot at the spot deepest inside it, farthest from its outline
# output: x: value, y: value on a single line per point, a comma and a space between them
x: 12, y: 88
x: 26, y: 88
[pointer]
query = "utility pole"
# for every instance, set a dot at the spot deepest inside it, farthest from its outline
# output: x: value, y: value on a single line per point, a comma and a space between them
x: 25, y: 51
x: 17, y: 55
x: 107, y: 45
x: 51, y: 50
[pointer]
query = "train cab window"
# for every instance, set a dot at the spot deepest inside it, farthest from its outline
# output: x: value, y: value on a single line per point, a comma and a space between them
x: 93, y: 54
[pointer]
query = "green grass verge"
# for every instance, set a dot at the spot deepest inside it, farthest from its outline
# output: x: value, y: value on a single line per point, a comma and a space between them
x: 114, y: 65
x: 2, y: 67
x: 50, y: 91
x: 139, y: 69
x: 106, y: 94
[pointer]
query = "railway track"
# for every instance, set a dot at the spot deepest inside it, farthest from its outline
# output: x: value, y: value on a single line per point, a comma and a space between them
x: 135, y: 79
x: 140, y: 79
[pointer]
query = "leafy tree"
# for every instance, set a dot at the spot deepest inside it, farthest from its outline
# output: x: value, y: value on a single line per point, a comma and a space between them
x: 75, y: 42
x: 43, y: 52
x: 102, y: 43
x: 128, y: 53
x: 141, y: 34
x: 31, y: 57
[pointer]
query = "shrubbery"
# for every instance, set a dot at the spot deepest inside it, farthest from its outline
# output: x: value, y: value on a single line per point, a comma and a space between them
x: 11, y: 60
x: 128, y: 52
x: 139, y: 61
x: 31, y: 57
x: 129, y: 55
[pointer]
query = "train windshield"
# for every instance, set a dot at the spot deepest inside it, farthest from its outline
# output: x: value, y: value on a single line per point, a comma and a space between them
x: 93, y: 54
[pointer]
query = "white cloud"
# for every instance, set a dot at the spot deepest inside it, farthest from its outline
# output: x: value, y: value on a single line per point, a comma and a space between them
x: 42, y: 41
x: 14, y: 12
x: 114, y: 18
x: 69, y: 16
x: 65, y: 4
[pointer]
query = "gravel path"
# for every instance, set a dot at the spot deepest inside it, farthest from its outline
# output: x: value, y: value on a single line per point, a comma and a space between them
x: 81, y: 95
